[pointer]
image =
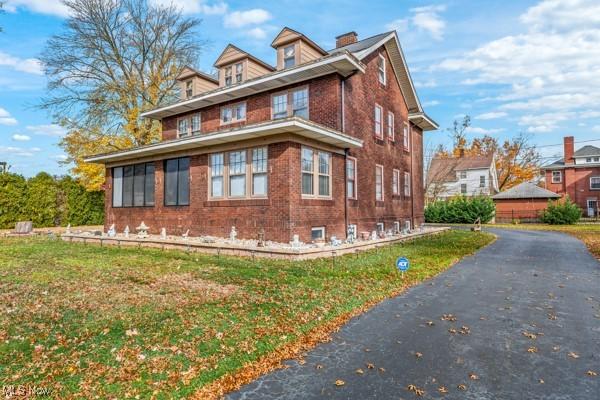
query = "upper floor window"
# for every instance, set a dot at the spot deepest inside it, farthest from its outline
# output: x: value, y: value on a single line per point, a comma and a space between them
x: 482, y: 181
x: 379, y: 182
x: 351, y: 177
x: 556, y: 176
x: 289, y: 56
x: 239, y: 72
x: 238, y: 173
x: 133, y: 185
x: 595, y: 182
x: 390, y: 126
x: 381, y: 69
x: 291, y: 103
x: 189, y: 89
x: 378, y: 121
x: 316, y: 182
x: 407, y: 184
x: 228, y: 76
x: 406, y: 136
x: 233, y: 113
x: 189, y: 125
x: 177, y: 182
x: 396, y: 182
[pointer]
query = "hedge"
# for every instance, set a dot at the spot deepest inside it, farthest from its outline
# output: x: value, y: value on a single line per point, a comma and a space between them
x: 561, y: 212
x: 48, y: 201
x: 460, y: 210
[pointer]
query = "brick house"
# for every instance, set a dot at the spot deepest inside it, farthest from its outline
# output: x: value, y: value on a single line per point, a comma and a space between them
x: 524, y: 202
x: 577, y: 175
x: 323, y: 141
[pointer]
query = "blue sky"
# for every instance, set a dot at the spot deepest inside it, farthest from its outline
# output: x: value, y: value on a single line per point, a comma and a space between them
x: 513, y: 66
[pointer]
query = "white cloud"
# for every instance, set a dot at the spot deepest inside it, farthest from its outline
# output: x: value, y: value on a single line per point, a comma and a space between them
x: 52, y: 7
x: 430, y: 103
x: 427, y: 18
x: 491, y: 115
x: 20, y: 138
x: 195, y: 6
x: 483, y: 131
x: 257, y: 33
x: 553, y: 66
x: 19, y: 151
x: 6, y: 118
x: 400, y: 25
x: 239, y: 19
x: 596, y: 128
x: 47, y: 130
x: 426, y: 84
x: 59, y: 157
x: 29, y: 65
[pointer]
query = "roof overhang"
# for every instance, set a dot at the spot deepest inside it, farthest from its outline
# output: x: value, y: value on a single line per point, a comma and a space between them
x: 345, y: 64
x: 292, y: 125
x: 423, y: 121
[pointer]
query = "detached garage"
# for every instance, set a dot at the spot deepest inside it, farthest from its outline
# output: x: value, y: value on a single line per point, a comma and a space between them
x: 523, y: 202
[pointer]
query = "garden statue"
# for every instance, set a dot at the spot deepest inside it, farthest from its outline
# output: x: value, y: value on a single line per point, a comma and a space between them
x: 112, y: 232
x: 142, y: 231
x: 126, y: 231
x: 163, y: 233
x: 232, y: 234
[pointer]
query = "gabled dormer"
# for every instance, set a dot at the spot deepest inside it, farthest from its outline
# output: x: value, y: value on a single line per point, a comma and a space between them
x: 236, y: 66
x: 193, y: 82
x: 293, y: 48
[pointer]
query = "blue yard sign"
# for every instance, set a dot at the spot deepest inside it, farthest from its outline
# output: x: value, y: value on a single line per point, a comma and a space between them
x: 402, y: 264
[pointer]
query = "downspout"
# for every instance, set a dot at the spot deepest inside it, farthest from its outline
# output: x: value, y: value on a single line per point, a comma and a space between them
x: 412, y: 178
x: 345, y: 161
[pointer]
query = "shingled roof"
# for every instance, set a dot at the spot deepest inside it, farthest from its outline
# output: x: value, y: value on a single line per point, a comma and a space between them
x: 526, y: 190
x: 445, y: 169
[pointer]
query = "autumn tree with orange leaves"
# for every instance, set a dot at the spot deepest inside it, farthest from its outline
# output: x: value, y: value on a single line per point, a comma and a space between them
x: 114, y: 60
x: 517, y: 160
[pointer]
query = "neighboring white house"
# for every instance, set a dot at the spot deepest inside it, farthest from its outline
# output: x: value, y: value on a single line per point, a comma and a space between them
x: 467, y: 176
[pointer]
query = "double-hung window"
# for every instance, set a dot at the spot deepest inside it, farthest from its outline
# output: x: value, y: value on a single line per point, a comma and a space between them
x: 396, y: 182
x: 390, y: 126
x: 289, y: 56
x: 316, y: 172
x: 189, y: 89
x: 378, y: 122
x: 293, y: 103
x: 381, y: 69
x: 228, y: 77
x: 351, y: 177
x: 133, y: 185
x: 406, y: 136
x: 187, y: 126
x: 482, y: 181
x: 177, y: 182
x: 239, y: 72
x: 379, y: 182
x: 183, y: 127
x: 595, y: 183
x: 233, y: 113
x: 239, y: 174
x: 556, y: 176
x: 407, y: 184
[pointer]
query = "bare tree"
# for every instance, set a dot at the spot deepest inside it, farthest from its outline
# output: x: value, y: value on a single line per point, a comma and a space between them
x: 114, y: 60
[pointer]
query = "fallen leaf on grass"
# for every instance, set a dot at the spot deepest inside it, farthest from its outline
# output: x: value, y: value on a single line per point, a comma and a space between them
x: 462, y: 387
x: 418, y: 355
x: 319, y: 366
x: 464, y: 330
x: 592, y: 373
x: 340, y: 382
x: 473, y: 376
x: 532, y: 349
x: 415, y: 390
x: 572, y: 354
x: 541, y: 381
x: 452, y: 331
x: 530, y: 335
x: 359, y: 371
x: 448, y: 317
x: 430, y: 323
x: 370, y: 366
x: 555, y: 348
x: 381, y: 369
x: 442, y: 389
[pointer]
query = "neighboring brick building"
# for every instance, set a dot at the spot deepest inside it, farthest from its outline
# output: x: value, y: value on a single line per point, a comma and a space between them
x: 577, y: 175
x: 322, y: 141
x: 524, y: 202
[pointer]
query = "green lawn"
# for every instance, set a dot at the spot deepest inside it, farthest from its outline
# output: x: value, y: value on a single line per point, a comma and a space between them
x: 104, y: 322
x: 588, y: 233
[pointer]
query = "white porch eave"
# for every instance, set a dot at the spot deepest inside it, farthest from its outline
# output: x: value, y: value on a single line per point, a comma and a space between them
x: 292, y: 125
x: 423, y: 121
x: 345, y: 64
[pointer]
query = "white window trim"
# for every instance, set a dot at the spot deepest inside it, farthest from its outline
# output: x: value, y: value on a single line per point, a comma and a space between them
x: 484, y: 183
x: 233, y: 114
x: 378, y: 225
x: 316, y: 174
x: 379, y: 166
x: 189, y: 82
x: 296, y: 55
x: 290, y: 101
x: 559, y: 177
x: 406, y: 136
x: 355, y: 182
x: 318, y: 228
x: 391, y: 128
x: 396, y: 177
x: 381, y: 68
x: 378, y: 135
x: 594, y: 177
x: 249, y: 175
x: 407, y: 185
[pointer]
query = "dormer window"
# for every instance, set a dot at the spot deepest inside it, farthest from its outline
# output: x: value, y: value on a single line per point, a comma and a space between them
x: 189, y: 89
x: 289, y: 56
x: 228, y: 77
x: 239, y: 72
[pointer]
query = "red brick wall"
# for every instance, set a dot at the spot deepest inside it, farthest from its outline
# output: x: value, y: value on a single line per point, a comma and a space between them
x: 324, y: 108
x: 576, y: 183
x: 362, y: 91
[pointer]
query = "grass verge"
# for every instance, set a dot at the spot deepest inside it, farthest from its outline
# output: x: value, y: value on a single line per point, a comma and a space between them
x: 87, y: 321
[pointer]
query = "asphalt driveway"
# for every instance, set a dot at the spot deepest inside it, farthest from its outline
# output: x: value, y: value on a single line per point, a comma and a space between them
x: 522, y: 321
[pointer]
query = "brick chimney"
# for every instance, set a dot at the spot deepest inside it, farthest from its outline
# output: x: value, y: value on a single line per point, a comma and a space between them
x: 569, y: 149
x: 346, y: 39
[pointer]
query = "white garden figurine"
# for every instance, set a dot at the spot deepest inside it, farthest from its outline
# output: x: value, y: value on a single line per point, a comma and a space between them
x: 232, y: 234
x: 142, y: 231
x: 163, y: 233
x: 126, y: 231
x: 112, y: 232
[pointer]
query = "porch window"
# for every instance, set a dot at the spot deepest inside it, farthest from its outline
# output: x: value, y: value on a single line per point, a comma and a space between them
x: 133, y: 185
x: 307, y: 171
x: 407, y: 184
x: 245, y: 172
x: 216, y: 175
x: 379, y: 182
x: 259, y: 171
x: 237, y: 173
x: 316, y: 181
x: 556, y: 176
x: 177, y: 182
x: 324, y: 173
x: 351, y: 177
x: 595, y: 183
